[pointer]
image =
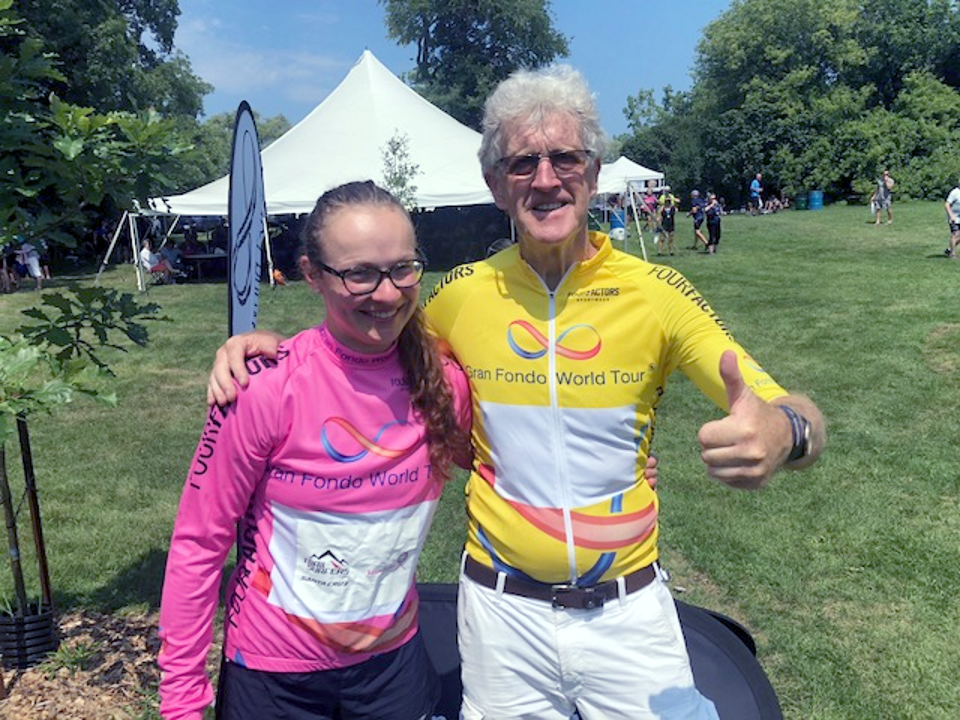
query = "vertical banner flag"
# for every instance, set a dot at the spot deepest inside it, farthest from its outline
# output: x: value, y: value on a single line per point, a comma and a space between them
x: 247, y: 214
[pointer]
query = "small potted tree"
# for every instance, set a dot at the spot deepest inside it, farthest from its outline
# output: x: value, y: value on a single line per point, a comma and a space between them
x: 42, y: 367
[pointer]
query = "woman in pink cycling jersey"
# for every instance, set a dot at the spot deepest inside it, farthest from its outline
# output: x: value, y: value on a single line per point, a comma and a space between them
x: 331, y: 461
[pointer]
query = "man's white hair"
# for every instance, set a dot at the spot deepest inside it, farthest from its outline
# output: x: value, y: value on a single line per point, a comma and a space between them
x: 531, y: 96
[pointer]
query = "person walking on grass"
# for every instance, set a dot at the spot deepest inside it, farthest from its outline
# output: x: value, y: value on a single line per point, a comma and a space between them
x: 713, y: 211
x: 618, y: 221
x: 697, y: 205
x: 668, y: 222
x: 882, y: 198
x: 952, y: 206
x: 756, y: 194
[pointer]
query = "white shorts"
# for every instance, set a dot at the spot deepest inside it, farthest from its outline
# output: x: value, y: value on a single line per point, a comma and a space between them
x: 522, y: 658
x: 33, y: 266
x: 618, y: 234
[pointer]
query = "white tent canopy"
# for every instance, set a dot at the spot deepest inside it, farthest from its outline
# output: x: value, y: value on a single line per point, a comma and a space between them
x: 618, y: 176
x: 344, y: 138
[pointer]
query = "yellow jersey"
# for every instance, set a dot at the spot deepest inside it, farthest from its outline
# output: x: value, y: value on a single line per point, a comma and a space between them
x: 565, y: 386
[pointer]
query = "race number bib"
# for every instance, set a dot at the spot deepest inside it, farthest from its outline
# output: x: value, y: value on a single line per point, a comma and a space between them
x: 341, y: 568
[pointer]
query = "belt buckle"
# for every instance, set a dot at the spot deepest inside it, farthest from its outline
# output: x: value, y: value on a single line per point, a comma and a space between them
x: 584, y: 598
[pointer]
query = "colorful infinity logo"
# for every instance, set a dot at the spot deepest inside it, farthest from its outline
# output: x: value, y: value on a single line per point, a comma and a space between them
x: 544, y: 343
x: 367, y: 445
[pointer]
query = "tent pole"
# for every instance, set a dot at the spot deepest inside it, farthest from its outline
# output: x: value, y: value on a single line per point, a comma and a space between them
x: 113, y: 241
x: 636, y: 221
x: 134, y: 242
x: 168, y: 233
x: 266, y: 245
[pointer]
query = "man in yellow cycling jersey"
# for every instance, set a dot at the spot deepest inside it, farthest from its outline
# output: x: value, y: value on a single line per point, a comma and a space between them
x: 568, y: 344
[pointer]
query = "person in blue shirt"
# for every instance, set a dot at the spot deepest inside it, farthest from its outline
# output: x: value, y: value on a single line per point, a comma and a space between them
x: 618, y: 224
x: 756, y: 195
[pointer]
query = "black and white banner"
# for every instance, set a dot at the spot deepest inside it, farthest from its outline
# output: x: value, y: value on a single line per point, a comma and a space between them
x: 248, y: 213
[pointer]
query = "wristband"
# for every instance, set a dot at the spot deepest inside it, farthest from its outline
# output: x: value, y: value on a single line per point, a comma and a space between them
x: 800, y: 430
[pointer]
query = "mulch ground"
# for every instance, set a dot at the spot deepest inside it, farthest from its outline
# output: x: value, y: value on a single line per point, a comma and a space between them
x: 106, y: 669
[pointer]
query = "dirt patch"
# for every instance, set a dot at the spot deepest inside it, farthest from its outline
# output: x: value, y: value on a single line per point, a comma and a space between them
x: 105, y: 669
x: 106, y: 666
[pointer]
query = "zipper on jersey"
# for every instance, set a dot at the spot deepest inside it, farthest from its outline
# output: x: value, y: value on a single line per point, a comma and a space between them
x: 563, y: 482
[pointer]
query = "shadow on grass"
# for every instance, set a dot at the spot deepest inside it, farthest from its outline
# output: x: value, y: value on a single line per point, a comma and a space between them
x: 137, y: 586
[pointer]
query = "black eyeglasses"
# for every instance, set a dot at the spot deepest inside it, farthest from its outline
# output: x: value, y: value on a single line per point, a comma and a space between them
x: 365, y: 280
x: 564, y: 162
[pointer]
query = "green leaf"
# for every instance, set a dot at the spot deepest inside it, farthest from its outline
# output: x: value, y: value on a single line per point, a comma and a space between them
x: 70, y: 147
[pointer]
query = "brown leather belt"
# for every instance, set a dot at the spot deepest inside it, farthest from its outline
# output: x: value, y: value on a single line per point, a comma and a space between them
x: 561, y: 596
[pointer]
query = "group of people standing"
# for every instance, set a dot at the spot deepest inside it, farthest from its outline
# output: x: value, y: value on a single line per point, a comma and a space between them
x: 709, y: 210
x: 658, y: 209
x: 330, y: 450
x: 881, y: 200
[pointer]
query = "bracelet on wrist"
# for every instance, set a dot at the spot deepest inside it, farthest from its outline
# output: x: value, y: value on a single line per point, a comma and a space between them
x: 800, y: 432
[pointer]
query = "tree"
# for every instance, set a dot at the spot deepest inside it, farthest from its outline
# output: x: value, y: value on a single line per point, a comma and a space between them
x: 466, y: 47
x: 399, y: 170
x: 43, y: 367
x: 212, y: 142
x: 61, y: 160
x: 816, y: 94
x: 666, y: 136
x: 117, y: 54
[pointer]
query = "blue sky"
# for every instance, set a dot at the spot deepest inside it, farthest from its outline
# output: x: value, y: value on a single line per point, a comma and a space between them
x: 285, y: 57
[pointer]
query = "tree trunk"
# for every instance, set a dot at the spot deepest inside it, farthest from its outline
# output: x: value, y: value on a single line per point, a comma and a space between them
x: 33, y: 500
x: 13, y: 543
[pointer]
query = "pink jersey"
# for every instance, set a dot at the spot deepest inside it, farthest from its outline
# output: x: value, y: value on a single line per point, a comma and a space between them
x: 326, y: 468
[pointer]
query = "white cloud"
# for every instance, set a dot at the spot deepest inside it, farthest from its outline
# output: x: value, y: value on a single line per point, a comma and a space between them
x: 257, y: 63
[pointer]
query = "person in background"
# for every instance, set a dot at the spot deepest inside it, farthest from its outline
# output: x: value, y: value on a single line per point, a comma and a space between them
x: 28, y: 263
x: 697, y: 205
x: 151, y: 262
x: 648, y: 205
x: 668, y: 218
x: 9, y: 276
x: 618, y: 223
x: 713, y: 211
x: 220, y: 238
x: 332, y: 461
x: 174, y: 257
x: 882, y: 198
x: 952, y: 206
x: 191, y: 241
x: 756, y: 194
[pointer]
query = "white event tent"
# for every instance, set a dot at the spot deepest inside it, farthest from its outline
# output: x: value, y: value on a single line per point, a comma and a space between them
x: 624, y: 174
x: 344, y: 138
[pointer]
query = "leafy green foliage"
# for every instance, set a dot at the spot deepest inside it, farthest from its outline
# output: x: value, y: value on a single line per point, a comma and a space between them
x: 45, y: 364
x: 70, y: 657
x: 60, y: 159
x: 816, y: 95
x: 32, y: 381
x: 211, y: 141
x: 466, y: 47
x: 117, y: 55
x: 80, y: 324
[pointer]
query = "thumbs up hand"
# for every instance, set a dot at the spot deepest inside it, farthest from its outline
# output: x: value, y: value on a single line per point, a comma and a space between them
x: 745, y: 448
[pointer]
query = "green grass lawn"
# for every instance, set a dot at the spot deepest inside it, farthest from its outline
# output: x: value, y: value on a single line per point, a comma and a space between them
x: 847, y: 574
